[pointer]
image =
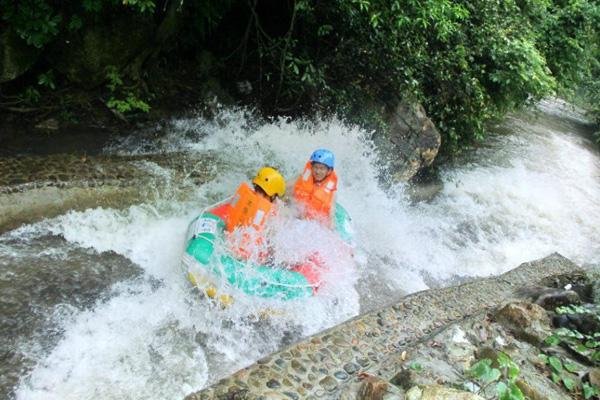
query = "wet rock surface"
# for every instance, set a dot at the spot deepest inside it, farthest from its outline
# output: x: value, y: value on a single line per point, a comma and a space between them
x: 411, y: 142
x: 428, y: 339
x: 45, y: 289
x: 34, y: 187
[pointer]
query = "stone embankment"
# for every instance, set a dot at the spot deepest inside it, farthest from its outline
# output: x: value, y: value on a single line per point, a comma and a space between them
x: 35, y: 187
x: 425, y: 346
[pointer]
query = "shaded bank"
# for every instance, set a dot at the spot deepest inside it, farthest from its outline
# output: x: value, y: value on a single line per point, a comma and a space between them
x: 465, y: 62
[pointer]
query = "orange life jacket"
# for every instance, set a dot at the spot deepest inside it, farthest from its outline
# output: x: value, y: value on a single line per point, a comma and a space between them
x: 246, y: 209
x: 316, y: 198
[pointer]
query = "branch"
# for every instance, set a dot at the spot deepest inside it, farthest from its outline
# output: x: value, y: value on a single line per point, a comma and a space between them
x: 27, y: 109
x: 288, y: 36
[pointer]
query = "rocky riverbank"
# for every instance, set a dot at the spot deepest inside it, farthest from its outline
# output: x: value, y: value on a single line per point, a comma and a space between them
x: 472, y: 341
x: 35, y: 187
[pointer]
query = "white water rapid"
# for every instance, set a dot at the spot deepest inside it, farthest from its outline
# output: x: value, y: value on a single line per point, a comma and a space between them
x: 533, y: 189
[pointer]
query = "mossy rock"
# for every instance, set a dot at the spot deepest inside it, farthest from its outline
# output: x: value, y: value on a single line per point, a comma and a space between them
x: 16, y: 56
x: 84, y: 56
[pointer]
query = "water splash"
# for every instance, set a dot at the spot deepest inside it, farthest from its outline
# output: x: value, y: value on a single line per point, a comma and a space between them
x: 531, y: 190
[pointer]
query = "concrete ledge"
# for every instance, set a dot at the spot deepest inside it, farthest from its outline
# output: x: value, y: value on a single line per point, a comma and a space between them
x: 322, y: 365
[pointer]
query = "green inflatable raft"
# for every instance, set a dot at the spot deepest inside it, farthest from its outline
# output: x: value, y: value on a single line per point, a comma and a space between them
x: 218, y: 276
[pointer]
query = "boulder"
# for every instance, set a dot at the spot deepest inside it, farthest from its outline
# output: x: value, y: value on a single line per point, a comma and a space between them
x: 436, y: 392
x: 593, y: 377
x: 411, y: 142
x: 16, y: 56
x: 83, y: 56
x: 527, y: 321
x: 372, y: 388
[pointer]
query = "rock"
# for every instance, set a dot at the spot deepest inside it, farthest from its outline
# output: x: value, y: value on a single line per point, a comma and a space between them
x: 372, y: 388
x: 349, y: 391
x: 16, y: 56
x: 415, y: 393
x: 411, y: 143
x: 489, y: 353
x: 436, y: 392
x: 83, y: 56
x: 557, y: 299
x: 419, y: 325
x: 459, y: 349
x: 593, y: 377
x: 48, y: 125
x: 527, y: 321
x: 536, y: 385
x: 549, y: 297
x: 403, y: 379
x: 536, y: 390
x: 585, y: 323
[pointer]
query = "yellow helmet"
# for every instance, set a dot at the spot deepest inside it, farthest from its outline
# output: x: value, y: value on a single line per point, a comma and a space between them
x: 271, y: 181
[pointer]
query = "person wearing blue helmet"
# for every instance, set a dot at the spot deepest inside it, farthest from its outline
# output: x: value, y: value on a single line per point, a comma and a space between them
x: 315, y: 189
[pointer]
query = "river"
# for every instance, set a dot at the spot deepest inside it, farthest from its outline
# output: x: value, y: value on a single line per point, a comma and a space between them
x: 94, y: 303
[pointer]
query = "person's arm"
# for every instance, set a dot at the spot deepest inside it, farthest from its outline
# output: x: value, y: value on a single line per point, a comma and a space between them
x: 289, y: 191
x: 332, y: 211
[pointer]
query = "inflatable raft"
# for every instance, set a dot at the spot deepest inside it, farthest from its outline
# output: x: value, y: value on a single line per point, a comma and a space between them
x: 208, y: 270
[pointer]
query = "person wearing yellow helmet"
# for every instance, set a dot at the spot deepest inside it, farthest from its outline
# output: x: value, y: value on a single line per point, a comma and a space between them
x: 270, y: 183
x: 252, y: 207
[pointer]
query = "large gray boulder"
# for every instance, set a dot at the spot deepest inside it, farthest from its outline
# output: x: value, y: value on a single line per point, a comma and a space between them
x: 83, y: 56
x: 411, y: 142
x: 16, y: 56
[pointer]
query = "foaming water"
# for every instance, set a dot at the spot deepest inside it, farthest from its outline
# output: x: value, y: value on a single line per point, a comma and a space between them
x: 532, y: 190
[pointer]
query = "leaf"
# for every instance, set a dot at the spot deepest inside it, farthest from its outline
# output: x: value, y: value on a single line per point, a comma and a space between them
x: 580, y: 348
x: 555, y: 377
x: 92, y: 5
x: 571, y: 367
x: 514, y: 392
x: 482, y: 370
x: 589, y: 390
x: 506, y: 362
x: 415, y: 366
x: 569, y: 383
x: 555, y: 363
x: 75, y: 23
x: 502, y: 390
x: 552, y: 340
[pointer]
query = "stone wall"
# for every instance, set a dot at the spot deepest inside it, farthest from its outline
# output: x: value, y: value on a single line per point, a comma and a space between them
x: 327, y: 364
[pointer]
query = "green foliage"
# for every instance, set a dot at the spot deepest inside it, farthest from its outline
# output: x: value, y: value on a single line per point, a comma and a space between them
x: 129, y: 104
x: 113, y: 78
x: 483, y: 371
x: 39, y: 22
x: 570, y: 33
x: 415, y: 366
x: 92, y: 6
x: 590, y: 391
x: 571, y: 309
x: 30, y: 95
x: 47, y: 80
x: 35, y: 21
x: 505, y: 376
x: 75, y: 23
x: 466, y: 61
x: 122, y: 99
x: 587, y: 346
x: 141, y: 5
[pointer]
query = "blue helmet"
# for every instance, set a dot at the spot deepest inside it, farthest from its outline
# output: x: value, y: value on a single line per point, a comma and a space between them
x: 323, y: 156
